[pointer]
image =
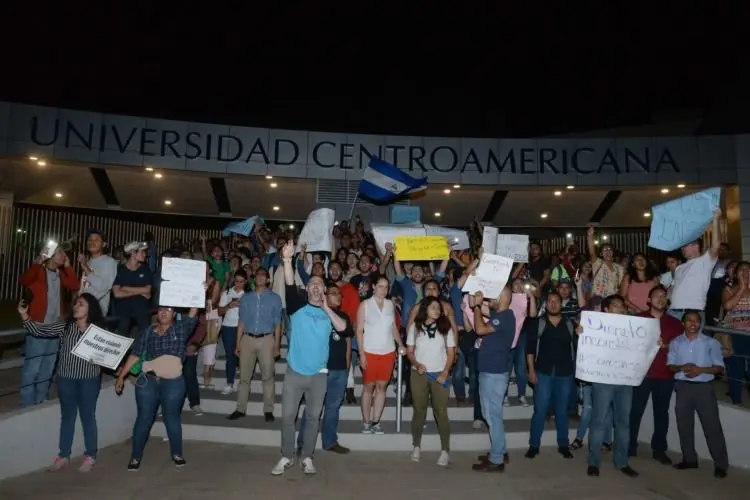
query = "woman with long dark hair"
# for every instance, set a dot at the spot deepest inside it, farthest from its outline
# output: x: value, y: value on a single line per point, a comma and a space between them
x: 431, y: 348
x: 78, y: 380
x: 637, y: 283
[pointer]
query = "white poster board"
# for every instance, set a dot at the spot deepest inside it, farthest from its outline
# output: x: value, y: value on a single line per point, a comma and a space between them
x: 489, y: 240
x: 459, y: 240
x: 317, y: 232
x: 615, y: 348
x: 183, y: 283
x: 490, y: 277
x: 102, y: 347
x: 386, y: 233
x: 513, y: 246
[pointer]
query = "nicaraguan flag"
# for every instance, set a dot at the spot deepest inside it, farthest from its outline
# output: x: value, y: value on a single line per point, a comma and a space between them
x: 243, y: 227
x: 384, y: 182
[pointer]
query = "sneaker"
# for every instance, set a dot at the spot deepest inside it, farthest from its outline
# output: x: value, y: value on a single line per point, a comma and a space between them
x: 367, y: 429
x: 235, y: 415
x: 307, y: 466
x: 506, y: 401
x: 134, y: 465
x: 281, y: 466
x: 196, y: 410
x: 376, y: 429
x: 477, y: 425
x: 87, y: 464
x: 58, y: 464
x: 522, y: 400
x: 227, y: 390
x: 236, y: 385
x: 416, y: 454
x: 179, y: 462
x: 443, y: 459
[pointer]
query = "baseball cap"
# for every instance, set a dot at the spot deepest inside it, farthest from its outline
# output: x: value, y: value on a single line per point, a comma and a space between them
x: 134, y: 246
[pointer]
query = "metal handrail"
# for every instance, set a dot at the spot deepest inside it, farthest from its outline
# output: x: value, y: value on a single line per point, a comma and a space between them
x: 399, y: 390
x: 723, y: 329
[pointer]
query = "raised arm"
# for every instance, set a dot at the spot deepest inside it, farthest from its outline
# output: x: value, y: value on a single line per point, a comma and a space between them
x: 590, y: 244
x: 715, y: 235
x: 38, y: 329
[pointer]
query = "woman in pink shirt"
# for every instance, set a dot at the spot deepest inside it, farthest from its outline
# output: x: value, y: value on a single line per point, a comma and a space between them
x: 637, y: 283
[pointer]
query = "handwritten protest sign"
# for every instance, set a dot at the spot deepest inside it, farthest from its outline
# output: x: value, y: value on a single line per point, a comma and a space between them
x: 101, y: 347
x: 489, y: 239
x: 386, y: 233
x: 317, y: 233
x: 421, y: 248
x: 616, y: 349
x: 183, y: 283
x: 490, y: 277
x: 513, y: 246
x: 679, y: 222
x: 404, y: 214
x: 459, y: 240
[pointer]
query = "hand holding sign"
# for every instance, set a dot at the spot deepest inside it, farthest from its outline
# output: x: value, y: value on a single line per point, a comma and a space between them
x: 678, y: 222
x: 411, y: 248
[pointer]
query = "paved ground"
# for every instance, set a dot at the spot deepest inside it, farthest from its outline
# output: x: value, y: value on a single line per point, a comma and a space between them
x: 233, y: 472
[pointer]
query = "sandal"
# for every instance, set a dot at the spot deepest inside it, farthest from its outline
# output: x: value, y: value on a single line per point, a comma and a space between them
x: 577, y: 444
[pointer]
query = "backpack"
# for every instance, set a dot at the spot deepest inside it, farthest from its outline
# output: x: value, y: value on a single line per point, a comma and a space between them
x: 542, y: 324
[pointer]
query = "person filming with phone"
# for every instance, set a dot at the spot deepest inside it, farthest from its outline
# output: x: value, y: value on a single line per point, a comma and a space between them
x: 46, y: 280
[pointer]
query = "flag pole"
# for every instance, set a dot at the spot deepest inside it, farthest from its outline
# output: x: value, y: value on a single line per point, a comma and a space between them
x: 351, y: 212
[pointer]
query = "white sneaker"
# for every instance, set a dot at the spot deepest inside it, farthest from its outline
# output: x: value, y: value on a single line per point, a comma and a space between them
x: 443, y: 459
x: 376, y: 429
x: 416, y: 454
x: 281, y: 467
x: 506, y: 401
x: 227, y: 390
x: 307, y: 466
x: 522, y: 400
x: 477, y: 425
x: 196, y: 410
x: 367, y: 429
x: 236, y: 385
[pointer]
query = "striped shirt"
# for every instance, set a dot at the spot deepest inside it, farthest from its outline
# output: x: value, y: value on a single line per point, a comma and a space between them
x: 68, y: 365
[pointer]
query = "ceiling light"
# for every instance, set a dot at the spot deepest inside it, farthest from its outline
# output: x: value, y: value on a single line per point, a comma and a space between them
x: 41, y: 163
x: 33, y: 158
x: 158, y: 176
x: 447, y: 191
x: 276, y: 208
x: 167, y: 202
x: 58, y: 195
x: 681, y: 186
x: 569, y: 235
x: 544, y: 216
x: 664, y: 191
x: 291, y: 226
x: 558, y: 193
x: 571, y: 187
x: 647, y: 214
x: 457, y: 186
x: 269, y: 177
x: 437, y: 214
x: 149, y: 169
x: 273, y: 185
x: 596, y: 242
x: 605, y: 237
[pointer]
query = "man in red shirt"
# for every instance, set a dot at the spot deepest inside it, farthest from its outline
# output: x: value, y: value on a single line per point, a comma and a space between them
x: 659, y: 381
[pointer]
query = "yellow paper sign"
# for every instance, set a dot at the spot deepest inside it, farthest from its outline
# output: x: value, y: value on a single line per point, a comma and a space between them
x: 421, y: 248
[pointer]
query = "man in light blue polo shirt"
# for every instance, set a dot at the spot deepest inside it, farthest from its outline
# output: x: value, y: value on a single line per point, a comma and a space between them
x: 307, y: 361
x: 696, y: 359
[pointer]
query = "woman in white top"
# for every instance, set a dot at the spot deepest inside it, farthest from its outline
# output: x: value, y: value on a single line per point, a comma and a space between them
x: 377, y: 336
x: 431, y: 351
x: 229, y: 309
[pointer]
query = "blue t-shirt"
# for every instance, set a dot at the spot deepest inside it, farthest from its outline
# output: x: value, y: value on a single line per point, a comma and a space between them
x: 494, y: 352
x: 308, y: 345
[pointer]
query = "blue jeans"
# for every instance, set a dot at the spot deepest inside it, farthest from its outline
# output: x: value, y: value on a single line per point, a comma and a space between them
x: 335, y: 390
x: 518, y: 358
x: 738, y: 367
x: 150, y: 393
x: 617, y: 399
x: 588, y: 408
x: 459, y: 374
x: 555, y: 391
x: 78, y: 397
x: 492, y: 387
x: 229, y: 339
x: 38, y: 369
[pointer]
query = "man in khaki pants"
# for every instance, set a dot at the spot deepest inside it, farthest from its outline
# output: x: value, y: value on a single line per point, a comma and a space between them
x: 258, y: 339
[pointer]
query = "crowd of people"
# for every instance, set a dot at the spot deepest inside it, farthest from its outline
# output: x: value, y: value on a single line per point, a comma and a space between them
x: 357, y: 309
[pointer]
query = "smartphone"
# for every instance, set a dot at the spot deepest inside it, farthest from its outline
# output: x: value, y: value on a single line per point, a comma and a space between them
x: 578, y: 273
x: 27, y: 296
x: 49, y: 249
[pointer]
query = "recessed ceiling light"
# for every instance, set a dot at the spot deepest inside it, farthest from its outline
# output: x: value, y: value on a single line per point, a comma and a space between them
x: 41, y: 163
x: 276, y: 208
x: 447, y: 191
x: 596, y: 242
x: 558, y: 193
x: 149, y: 169
x: 158, y: 175
x: 273, y: 185
x: 681, y: 186
x: 569, y: 235
x: 291, y: 226
x: 647, y: 214
x: 664, y: 191
x: 58, y: 195
x: 269, y: 177
x: 33, y: 158
x: 437, y: 214
x: 571, y: 187
x: 605, y: 237
x: 544, y: 216
x: 167, y: 202
x: 457, y: 186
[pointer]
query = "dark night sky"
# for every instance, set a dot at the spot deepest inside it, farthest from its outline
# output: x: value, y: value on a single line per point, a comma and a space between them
x: 423, y: 70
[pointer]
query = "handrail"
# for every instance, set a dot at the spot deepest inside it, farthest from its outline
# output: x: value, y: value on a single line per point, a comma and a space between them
x: 399, y: 389
x: 723, y: 329
x: 12, y: 332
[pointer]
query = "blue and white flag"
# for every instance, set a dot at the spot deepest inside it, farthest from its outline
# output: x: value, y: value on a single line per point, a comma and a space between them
x: 384, y: 182
x: 243, y: 227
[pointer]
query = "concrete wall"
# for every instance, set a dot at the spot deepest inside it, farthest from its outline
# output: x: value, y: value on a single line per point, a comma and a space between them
x: 29, y: 437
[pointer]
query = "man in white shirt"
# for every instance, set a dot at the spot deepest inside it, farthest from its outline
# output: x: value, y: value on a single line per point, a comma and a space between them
x: 99, y: 270
x: 693, y: 277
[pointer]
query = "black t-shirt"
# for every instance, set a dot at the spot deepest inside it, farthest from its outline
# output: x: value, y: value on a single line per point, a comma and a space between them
x: 358, y: 280
x: 140, y: 277
x: 337, y: 344
x: 556, y: 348
x: 536, y: 269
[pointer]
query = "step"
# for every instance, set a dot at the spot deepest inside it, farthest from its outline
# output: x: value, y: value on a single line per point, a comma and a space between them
x: 213, y: 402
x: 253, y: 430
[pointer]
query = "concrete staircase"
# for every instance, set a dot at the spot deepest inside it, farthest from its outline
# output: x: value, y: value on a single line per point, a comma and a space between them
x: 252, y: 429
